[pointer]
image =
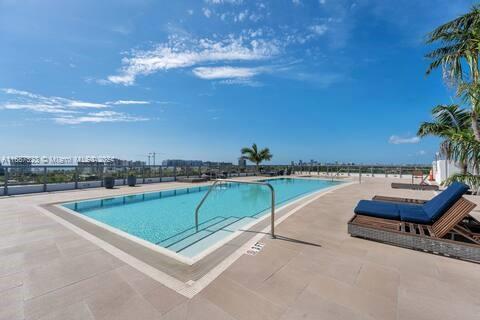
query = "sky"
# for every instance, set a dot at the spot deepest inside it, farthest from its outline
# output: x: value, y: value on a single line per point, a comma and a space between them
x: 327, y: 80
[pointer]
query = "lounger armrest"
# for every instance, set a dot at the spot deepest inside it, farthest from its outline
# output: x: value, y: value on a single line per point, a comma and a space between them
x: 399, y: 200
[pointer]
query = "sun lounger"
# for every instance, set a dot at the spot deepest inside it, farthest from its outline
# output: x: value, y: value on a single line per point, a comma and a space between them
x: 441, y: 225
x: 412, y: 186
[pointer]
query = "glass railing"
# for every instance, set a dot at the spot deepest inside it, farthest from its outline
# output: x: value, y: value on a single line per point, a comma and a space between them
x: 27, y: 179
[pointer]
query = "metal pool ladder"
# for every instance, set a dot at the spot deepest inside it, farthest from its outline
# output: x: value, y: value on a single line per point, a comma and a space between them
x: 272, y: 212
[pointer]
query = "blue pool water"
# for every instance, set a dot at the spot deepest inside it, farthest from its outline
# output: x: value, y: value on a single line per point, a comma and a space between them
x: 167, y: 218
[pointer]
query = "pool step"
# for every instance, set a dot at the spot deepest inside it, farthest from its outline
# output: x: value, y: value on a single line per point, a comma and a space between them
x: 191, y: 231
x: 198, y: 246
x: 188, y: 241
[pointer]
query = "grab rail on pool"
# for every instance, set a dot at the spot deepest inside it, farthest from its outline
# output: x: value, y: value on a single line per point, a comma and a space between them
x: 272, y: 212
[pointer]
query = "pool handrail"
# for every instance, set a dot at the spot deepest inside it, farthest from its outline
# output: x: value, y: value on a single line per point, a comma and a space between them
x: 272, y: 212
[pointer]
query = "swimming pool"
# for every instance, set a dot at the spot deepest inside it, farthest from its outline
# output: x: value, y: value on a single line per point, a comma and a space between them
x: 166, y: 219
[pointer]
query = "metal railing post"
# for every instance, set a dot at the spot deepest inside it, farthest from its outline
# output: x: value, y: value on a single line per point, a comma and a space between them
x: 45, y: 179
x: 174, y: 173
x: 359, y: 174
x: 272, y: 212
x: 100, y: 174
x: 5, y: 185
x: 143, y: 174
x: 400, y: 172
x: 160, y: 172
x: 76, y: 177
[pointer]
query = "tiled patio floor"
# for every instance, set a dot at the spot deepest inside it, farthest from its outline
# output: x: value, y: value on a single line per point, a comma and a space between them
x: 314, y: 271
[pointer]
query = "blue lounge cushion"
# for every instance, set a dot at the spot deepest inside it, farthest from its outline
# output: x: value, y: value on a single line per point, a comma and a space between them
x: 443, y: 201
x: 427, y: 213
x: 386, y: 210
x: 413, y: 213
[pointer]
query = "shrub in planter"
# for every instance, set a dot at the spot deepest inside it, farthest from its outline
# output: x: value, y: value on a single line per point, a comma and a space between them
x: 131, y: 180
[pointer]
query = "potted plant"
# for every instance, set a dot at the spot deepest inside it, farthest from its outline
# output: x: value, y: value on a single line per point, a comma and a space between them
x: 131, y: 179
x: 108, y: 181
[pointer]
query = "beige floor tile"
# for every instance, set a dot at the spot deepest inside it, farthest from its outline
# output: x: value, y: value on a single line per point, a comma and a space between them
x: 413, y: 304
x: 11, y: 304
x: 11, y: 281
x: 240, y: 302
x: 379, y: 280
x: 310, y: 306
x: 199, y: 309
x: 63, y: 272
x: 134, y: 308
x: 78, y: 311
x: 251, y: 271
x: 12, y: 263
x: 69, y: 295
x: 354, y: 298
x: 160, y: 297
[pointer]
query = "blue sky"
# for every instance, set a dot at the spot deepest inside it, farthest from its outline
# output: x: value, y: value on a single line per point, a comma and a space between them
x: 322, y: 79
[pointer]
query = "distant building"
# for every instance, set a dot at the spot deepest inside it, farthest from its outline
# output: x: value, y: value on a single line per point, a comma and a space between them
x: 217, y: 164
x: 126, y: 163
x: 90, y: 167
x: 21, y: 165
x: 136, y: 163
x: 242, y: 162
x: 181, y: 163
x: 119, y: 162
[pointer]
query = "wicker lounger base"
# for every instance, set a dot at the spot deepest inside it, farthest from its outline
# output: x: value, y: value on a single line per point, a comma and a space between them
x: 445, y: 247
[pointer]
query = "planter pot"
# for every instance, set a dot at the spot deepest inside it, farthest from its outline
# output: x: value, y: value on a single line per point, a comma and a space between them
x: 109, y: 182
x: 131, y: 181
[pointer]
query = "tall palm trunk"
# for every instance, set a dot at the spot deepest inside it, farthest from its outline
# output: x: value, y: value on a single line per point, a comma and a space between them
x: 475, y: 126
x: 474, y: 96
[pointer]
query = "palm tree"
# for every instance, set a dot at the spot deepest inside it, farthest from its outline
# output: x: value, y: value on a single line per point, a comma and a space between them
x: 459, y: 44
x: 452, y: 124
x: 253, y: 155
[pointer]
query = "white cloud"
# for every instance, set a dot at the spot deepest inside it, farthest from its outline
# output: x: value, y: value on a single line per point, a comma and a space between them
x: 34, y: 102
x: 183, y: 53
x: 67, y: 111
x: 318, y: 29
x: 403, y: 140
x: 241, y: 16
x: 227, y: 72
x: 128, y: 102
x: 296, y: 2
x: 207, y: 12
x: 322, y: 1
x: 190, y: 11
x: 242, y: 82
x: 99, y: 117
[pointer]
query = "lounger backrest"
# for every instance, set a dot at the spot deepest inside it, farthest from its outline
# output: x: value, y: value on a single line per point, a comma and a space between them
x: 442, y: 202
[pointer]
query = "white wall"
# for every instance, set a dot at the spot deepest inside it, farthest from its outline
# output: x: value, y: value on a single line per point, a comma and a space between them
x: 443, y: 169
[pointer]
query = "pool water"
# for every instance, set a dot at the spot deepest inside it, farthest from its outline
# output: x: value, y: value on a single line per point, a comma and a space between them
x: 167, y: 218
